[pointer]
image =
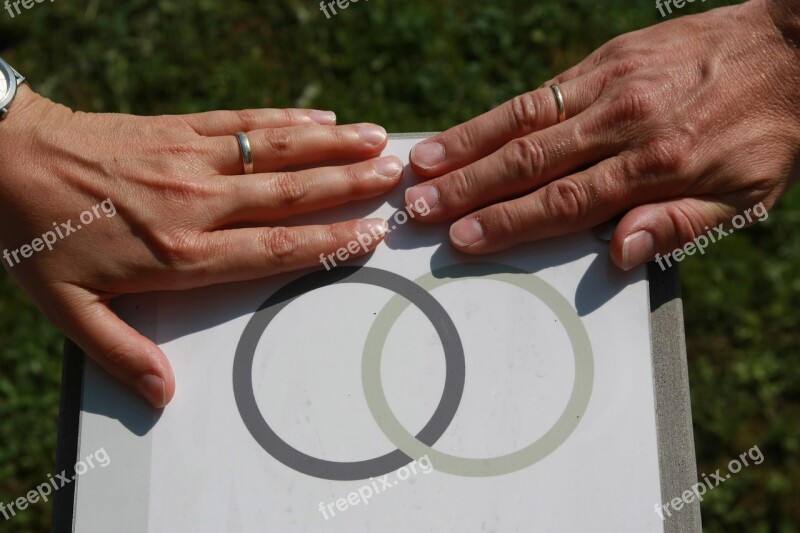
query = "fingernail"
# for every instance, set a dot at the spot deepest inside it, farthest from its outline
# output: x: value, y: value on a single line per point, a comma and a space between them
x: 428, y: 195
x: 154, y: 390
x: 427, y: 155
x: 325, y: 118
x: 637, y: 249
x: 389, y: 167
x: 373, y: 226
x: 374, y: 135
x: 466, y: 232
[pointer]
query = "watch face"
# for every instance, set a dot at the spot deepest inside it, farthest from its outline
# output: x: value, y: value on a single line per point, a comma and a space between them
x: 8, y: 85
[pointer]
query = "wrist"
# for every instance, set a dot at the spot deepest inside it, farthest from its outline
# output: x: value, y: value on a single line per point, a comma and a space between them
x: 21, y: 112
x: 20, y: 131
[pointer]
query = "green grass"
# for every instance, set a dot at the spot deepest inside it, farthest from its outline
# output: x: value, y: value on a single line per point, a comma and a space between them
x: 411, y: 65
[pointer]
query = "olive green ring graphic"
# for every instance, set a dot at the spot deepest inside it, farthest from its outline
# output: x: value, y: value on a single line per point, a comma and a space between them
x: 494, y: 466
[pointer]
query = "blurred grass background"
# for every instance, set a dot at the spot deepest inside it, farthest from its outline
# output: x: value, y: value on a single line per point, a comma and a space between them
x: 415, y: 65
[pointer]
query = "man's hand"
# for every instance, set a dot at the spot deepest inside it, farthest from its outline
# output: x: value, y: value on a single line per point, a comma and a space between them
x: 678, y: 127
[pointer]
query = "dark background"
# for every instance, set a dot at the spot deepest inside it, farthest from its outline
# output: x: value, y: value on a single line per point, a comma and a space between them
x: 411, y: 65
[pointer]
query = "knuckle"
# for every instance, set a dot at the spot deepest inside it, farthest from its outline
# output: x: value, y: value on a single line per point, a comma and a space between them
x: 278, y: 245
x: 354, y: 178
x: 637, y: 101
x: 277, y: 141
x: 177, y: 149
x: 118, y: 355
x: 456, y: 188
x: 665, y: 156
x: 289, y: 189
x: 631, y: 170
x: 625, y: 66
x: 248, y: 119
x: 526, y: 157
x: 187, y: 158
x: 461, y: 138
x: 335, y: 234
x: 502, y: 220
x: 525, y: 110
x: 290, y: 116
x: 619, y: 69
x: 565, y: 200
x: 179, y: 249
x: 169, y: 152
x: 186, y: 193
x: 616, y: 46
x: 681, y: 216
x: 177, y: 122
x: 343, y: 135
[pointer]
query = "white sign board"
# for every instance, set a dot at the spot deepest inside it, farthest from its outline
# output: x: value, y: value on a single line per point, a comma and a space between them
x: 417, y: 389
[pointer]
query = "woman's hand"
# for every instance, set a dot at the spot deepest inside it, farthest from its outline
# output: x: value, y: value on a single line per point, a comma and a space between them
x: 168, y: 208
x: 678, y: 127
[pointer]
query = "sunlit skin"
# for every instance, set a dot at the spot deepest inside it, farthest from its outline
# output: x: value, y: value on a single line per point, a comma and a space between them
x: 674, y: 128
x: 185, y: 214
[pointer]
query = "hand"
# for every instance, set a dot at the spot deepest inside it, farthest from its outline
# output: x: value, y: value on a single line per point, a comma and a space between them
x: 165, y: 206
x: 678, y: 127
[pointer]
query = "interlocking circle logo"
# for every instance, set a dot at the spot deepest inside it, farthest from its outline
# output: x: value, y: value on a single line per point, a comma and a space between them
x: 293, y: 458
x: 412, y: 447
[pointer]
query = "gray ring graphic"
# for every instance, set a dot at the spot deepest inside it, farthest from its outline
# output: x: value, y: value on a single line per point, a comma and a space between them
x: 334, y: 470
x: 492, y: 466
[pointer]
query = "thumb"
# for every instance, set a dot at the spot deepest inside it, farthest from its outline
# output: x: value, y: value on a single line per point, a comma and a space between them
x: 665, y: 227
x: 123, y: 352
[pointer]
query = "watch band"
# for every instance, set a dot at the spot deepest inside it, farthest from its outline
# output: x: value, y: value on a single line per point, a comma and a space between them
x: 20, y: 78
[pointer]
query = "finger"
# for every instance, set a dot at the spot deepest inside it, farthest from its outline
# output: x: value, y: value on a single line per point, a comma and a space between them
x: 520, y: 166
x: 280, y: 148
x: 214, y: 123
x: 268, y: 197
x: 573, y: 203
x: 479, y: 137
x: 123, y: 352
x: 673, y: 229
x: 251, y: 253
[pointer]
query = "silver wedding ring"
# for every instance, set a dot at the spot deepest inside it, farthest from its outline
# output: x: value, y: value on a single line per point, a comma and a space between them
x: 247, y: 155
x: 562, y: 112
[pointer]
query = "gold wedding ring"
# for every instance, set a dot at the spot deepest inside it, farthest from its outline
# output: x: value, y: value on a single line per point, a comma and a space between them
x: 562, y: 112
x: 247, y: 155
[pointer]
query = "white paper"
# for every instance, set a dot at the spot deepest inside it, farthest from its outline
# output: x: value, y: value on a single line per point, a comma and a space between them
x: 196, y: 467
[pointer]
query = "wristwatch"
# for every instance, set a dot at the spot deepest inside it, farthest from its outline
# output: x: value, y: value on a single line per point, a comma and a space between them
x: 10, y: 79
